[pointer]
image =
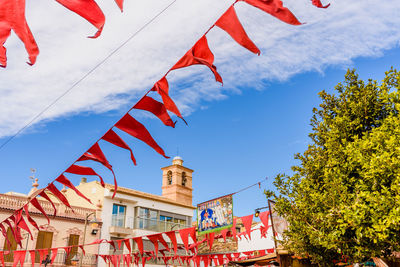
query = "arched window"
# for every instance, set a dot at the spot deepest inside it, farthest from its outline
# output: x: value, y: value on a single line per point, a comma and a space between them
x: 184, y: 179
x: 169, y: 177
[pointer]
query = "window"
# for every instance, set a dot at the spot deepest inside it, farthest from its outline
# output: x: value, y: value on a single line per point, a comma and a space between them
x: 44, y: 240
x: 73, y: 240
x: 148, y: 219
x: 118, y: 215
x: 169, y: 177
x: 184, y: 179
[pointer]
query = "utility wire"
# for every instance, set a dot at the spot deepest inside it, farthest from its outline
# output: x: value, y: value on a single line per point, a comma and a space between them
x: 86, y: 75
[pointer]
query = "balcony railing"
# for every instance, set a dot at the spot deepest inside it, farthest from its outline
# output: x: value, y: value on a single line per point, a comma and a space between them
x: 15, y: 202
x: 145, y: 223
x: 157, y: 225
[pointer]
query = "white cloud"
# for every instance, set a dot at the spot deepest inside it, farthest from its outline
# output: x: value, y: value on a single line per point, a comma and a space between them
x: 335, y: 36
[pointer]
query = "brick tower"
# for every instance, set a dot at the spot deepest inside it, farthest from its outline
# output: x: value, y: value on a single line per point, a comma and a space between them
x: 177, y: 182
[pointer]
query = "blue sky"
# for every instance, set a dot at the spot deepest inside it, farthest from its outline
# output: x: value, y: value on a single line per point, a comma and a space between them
x: 230, y: 144
x: 237, y: 135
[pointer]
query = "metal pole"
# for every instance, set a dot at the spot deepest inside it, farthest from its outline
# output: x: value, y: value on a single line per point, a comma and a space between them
x: 84, y: 236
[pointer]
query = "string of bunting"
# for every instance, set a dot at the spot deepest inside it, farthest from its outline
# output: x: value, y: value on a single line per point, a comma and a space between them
x: 12, y: 17
x: 160, y: 238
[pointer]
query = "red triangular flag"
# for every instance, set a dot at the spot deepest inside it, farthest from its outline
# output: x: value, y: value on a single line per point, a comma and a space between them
x: 211, y: 239
x: 131, y: 126
x: 33, y: 254
x: 53, y: 254
x: 184, y: 233
x: 65, y: 181
x: 264, y: 216
x: 223, y: 233
x: 42, y: 253
x: 157, y: 108
x: 162, y: 88
x: 32, y: 221
x: 139, y: 243
x: 37, y: 205
x: 172, y: 238
x: 95, y: 153
x: 12, y: 17
x: 201, y: 54
x: 230, y: 23
x: 318, y: 3
x: 247, y: 220
x: 114, y: 139
x: 45, y: 196
x: 89, y: 10
x: 53, y: 189
x: 220, y: 259
x: 128, y: 244
x: 276, y: 9
x: 154, y: 240
x: 19, y: 257
x: 233, y: 229
x: 82, y: 170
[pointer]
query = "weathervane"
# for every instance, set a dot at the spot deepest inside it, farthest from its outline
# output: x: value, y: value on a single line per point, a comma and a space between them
x: 32, y: 177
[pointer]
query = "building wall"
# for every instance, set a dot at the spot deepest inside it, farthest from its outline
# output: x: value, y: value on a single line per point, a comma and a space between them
x: 256, y: 242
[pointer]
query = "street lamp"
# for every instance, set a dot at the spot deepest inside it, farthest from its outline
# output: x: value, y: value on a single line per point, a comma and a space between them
x: 257, y: 211
x: 94, y: 223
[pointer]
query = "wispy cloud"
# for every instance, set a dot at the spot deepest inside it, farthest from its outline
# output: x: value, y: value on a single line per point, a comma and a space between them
x: 346, y: 30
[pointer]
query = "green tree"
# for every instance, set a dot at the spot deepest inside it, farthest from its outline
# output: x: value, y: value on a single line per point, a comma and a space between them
x: 344, y: 196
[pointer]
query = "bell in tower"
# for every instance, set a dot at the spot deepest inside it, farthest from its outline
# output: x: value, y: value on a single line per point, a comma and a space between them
x: 177, y: 182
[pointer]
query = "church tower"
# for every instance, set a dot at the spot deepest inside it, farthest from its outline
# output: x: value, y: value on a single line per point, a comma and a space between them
x: 177, y: 182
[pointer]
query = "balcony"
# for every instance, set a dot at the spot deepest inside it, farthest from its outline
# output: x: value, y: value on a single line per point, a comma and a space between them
x: 122, y: 225
x: 11, y: 202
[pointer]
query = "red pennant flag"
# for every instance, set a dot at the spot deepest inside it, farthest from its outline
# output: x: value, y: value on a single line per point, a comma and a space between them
x: 131, y: 126
x: 67, y: 251
x: 139, y: 243
x: 211, y: 239
x: 230, y: 23
x: 4, y: 232
x: 45, y: 196
x: 53, y: 189
x: 172, y: 238
x: 215, y: 261
x: 247, y: 220
x: 82, y: 170
x: 236, y: 255
x: 263, y: 231
x: 162, y: 88
x: 2, y: 258
x: 112, y: 243
x: 119, y: 242
x: 248, y: 253
x: 33, y: 254
x: 157, y: 108
x: 120, y: 4
x: 19, y: 256
x: 223, y: 233
x: 154, y: 240
x: 201, y: 54
x: 206, y: 260
x: 65, y: 181
x: 89, y: 10
x: 114, y: 139
x: 264, y: 216
x: 318, y: 3
x: 276, y: 9
x: 97, y: 241
x: 184, y: 233
x: 95, y: 153
x: 22, y: 224
x: 220, y: 259
x: 233, y: 229
x: 271, y: 250
x: 229, y: 257
x: 42, y: 253
x: 12, y: 17
x: 261, y: 252
x: 53, y: 254
x: 104, y: 257
x: 126, y: 260
x: 37, y: 205
x: 31, y: 221
x: 14, y: 231
x: 128, y: 244
x: 83, y: 250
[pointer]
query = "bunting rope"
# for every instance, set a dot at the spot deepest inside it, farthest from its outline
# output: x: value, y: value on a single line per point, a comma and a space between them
x: 86, y: 75
x: 199, y: 54
x: 155, y: 238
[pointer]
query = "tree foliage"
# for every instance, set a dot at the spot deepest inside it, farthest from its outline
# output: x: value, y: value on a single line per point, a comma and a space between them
x: 344, y: 196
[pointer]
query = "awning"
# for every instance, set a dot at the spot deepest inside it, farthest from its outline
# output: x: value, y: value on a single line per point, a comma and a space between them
x: 263, y: 260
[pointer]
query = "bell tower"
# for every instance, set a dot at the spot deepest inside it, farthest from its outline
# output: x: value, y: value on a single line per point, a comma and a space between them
x: 177, y: 182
